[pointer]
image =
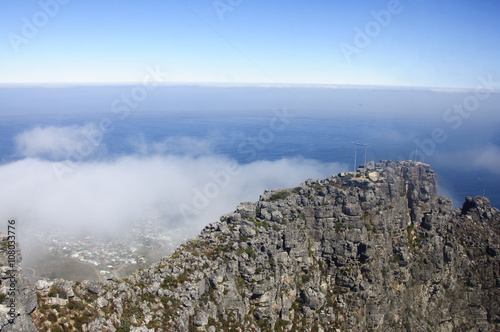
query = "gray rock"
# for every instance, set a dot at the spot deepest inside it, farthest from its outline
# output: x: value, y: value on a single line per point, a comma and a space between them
x: 101, y: 302
x: 43, y: 284
x: 247, y: 231
x: 345, y: 253
x: 93, y: 286
x: 201, y: 319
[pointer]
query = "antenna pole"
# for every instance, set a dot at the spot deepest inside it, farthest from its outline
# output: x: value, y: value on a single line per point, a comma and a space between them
x: 364, y: 168
x: 355, y: 151
x: 484, y: 185
x: 416, y: 150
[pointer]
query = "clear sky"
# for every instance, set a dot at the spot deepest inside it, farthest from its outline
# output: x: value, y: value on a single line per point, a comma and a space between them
x: 432, y: 43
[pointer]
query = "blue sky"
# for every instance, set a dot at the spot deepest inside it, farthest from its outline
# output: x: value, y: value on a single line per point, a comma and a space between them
x: 425, y: 43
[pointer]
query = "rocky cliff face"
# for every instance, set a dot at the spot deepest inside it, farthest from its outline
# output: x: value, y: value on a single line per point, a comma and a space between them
x: 382, y: 252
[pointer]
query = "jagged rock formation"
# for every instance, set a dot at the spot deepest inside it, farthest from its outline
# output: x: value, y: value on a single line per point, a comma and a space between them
x: 382, y: 253
x: 17, y: 296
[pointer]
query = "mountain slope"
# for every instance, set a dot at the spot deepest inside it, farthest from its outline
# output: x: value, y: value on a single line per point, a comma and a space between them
x: 382, y: 253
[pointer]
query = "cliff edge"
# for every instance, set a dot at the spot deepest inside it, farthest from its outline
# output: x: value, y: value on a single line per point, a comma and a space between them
x: 381, y: 252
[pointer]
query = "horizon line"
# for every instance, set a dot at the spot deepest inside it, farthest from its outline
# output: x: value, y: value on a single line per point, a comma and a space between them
x: 243, y: 84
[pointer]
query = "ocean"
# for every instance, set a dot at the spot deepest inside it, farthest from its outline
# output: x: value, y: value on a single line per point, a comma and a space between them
x: 316, y: 126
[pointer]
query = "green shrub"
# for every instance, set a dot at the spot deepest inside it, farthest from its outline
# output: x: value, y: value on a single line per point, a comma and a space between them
x: 250, y: 252
x: 279, y: 196
x: 280, y: 325
x: 124, y: 325
x: 58, y: 292
x: 168, y: 282
x: 52, y: 317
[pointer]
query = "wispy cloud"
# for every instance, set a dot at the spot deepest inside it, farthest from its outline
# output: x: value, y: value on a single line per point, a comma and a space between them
x: 54, y: 143
x: 393, y: 135
x: 184, y: 145
x: 489, y: 158
x: 486, y: 158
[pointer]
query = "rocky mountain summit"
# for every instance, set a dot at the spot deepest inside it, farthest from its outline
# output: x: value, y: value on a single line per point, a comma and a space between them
x: 376, y: 250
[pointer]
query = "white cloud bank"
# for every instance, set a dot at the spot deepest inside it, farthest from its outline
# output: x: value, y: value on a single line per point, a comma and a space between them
x: 104, y: 196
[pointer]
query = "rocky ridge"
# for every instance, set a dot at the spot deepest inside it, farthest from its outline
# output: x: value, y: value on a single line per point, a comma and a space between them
x: 378, y: 252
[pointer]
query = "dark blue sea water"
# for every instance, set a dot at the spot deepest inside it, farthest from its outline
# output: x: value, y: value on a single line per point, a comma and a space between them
x: 250, y: 124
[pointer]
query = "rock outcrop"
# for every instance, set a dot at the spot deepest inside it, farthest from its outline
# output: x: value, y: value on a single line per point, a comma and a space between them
x: 381, y: 252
